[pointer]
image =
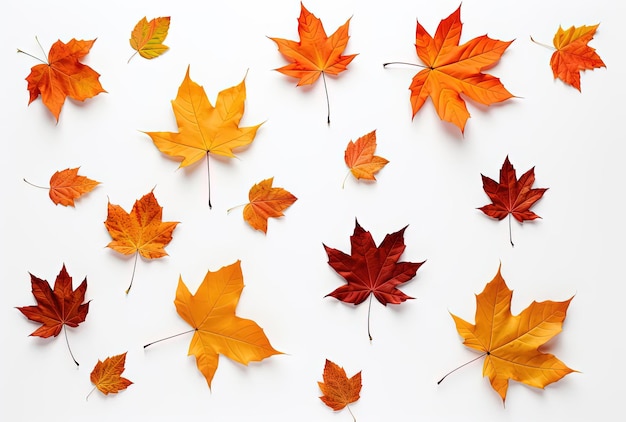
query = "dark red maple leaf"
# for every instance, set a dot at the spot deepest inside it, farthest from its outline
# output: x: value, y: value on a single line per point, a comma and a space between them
x: 511, y: 196
x: 372, y: 270
x: 56, y: 308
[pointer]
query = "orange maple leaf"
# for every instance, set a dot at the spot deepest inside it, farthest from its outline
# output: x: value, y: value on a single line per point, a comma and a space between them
x: 452, y: 70
x: 147, y: 37
x: 107, y: 375
x: 217, y: 330
x: 339, y: 390
x: 204, y: 129
x: 511, y: 196
x: 57, y: 308
x: 66, y: 186
x: 141, y: 232
x: 315, y: 54
x: 62, y: 75
x: 510, y: 343
x: 360, y: 158
x: 573, y: 54
x: 265, y: 202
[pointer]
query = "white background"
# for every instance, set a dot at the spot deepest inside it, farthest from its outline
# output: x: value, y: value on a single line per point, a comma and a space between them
x: 432, y: 183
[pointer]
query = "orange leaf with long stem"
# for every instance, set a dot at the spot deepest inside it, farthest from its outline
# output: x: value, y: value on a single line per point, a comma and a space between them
x: 140, y: 232
x: 66, y: 186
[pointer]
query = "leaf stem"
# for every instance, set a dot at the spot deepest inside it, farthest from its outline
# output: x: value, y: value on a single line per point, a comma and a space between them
x: 169, y: 337
x: 327, y: 100
x: 133, y: 276
x: 131, y: 57
x: 405, y: 63
x: 208, y: 173
x: 68, y: 344
x: 30, y: 55
x: 42, y: 50
x: 459, y: 367
x: 92, y: 390
x: 232, y: 208
x: 510, y: 235
x: 549, y: 47
x: 37, y: 186
x: 351, y: 414
x: 344, y: 179
x: 369, y: 311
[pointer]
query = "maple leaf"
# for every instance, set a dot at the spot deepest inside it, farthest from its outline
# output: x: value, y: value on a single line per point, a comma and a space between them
x: 372, y: 270
x: 360, y: 158
x: 510, y: 343
x: 339, y: 390
x: 66, y: 186
x: 573, y: 54
x: 142, y: 232
x: 147, y: 37
x: 511, y: 196
x: 452, y: 70
x: 204, y: 129
x: 57, y: 308
x: 265, y: 202
x: 217, y: 330
x: 315, y: 54
x: 107, y: 375
x: 62, y: 75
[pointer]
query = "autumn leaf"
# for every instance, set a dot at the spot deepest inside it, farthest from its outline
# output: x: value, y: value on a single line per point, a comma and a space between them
x: 147, y: 37
x: 142, y: 232
x: 573, y: 54
x: 216, y: 328
x: 204, y: 129
x: 57, y: 308
x: 360, y: 158
x: 265, y: 202
x: 339, y: 390
x: 510, y: 343
x: 62, y: 75
x: 315, y: 54
x: 452, y: 71
x: 372, y: 270
x: 511, y: 196
x: 107, y: 375
x: 66, y: 186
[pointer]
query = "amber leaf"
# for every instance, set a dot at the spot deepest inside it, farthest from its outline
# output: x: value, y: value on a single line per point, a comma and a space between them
x: 147, y: 37
x: 360, y: 158
x: 510, y: 343
x: 217, y: 330
x: 107, y: 375
x: 265, y: 202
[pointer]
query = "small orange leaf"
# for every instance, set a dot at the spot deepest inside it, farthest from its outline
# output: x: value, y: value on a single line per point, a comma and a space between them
x: 217, y: 330
x: 66, y: 185
x: 360, y: 158
x: 573, y: 54
x: 63, y: 75
x: 106, y: 375
x: 339, y: 390
x: 147, y: 37
x: 266, y: 202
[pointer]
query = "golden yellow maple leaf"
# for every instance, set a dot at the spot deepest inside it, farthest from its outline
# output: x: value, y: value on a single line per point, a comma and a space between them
x: 217, y: 330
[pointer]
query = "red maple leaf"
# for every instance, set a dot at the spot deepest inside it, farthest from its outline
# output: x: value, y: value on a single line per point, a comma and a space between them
x: 511, y: 196
x: 56, y: 308
x: 372, y: 270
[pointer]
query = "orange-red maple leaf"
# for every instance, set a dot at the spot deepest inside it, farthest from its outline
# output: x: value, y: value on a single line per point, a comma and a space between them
x: 204, y: 129
x: 66, y: 186
x: 510, y: 343
x: 316, y: 53
x: 63, y: 75
x: 452, y: 71
x: 360, y: 158
x: 573, y: 54
x: 107, y: 375
x: 265, y: 202
x: 217, y: 330
x: 372, y: 270
x: 140, y: 232
x: 58, y: 307
x: 511, y: 196
x: 147, y: 37
x: 339, y: 390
